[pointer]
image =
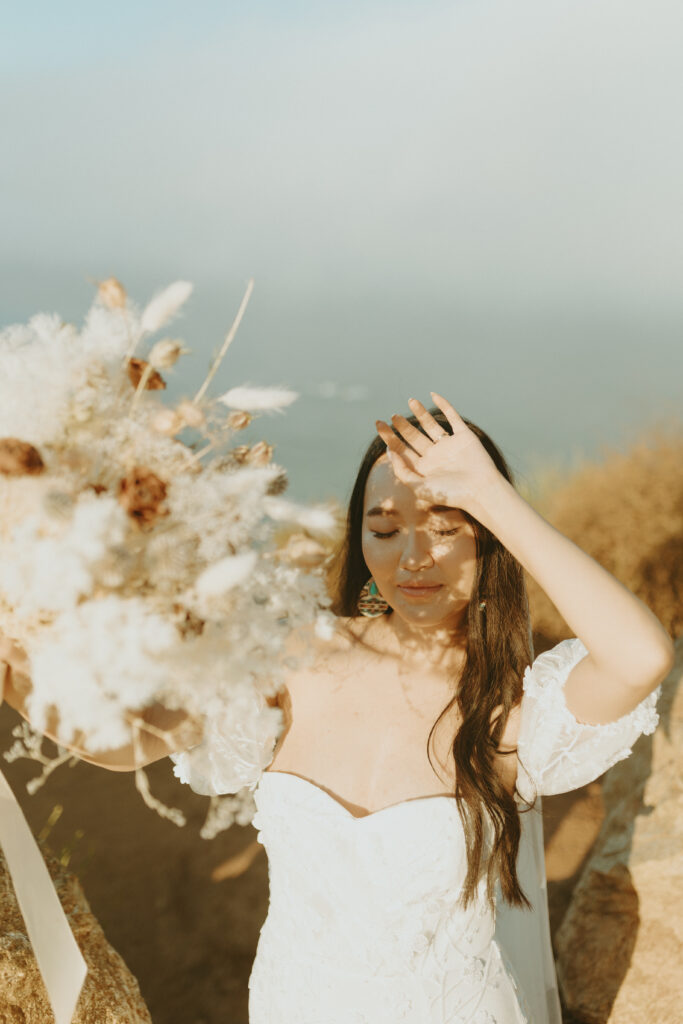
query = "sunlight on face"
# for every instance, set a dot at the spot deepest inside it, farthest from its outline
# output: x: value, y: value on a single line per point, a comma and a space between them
x: 406, y: 542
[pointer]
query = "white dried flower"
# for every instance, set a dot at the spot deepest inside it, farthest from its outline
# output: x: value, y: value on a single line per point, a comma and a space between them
x: 48, y: 566
x: 258, y: 399
x: 317, y: 520
x: 167, y: 422
x: 191, y: 414
x: 98, y: 661
x: 164, y: 306
x: 114, y: 617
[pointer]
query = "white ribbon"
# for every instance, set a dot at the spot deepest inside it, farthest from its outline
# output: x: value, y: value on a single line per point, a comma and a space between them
x: 59, y: 959
x: 524, y: 935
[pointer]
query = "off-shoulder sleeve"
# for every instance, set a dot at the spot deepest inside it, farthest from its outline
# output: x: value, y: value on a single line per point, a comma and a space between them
x: 556, y: 752
x: 238, y: 744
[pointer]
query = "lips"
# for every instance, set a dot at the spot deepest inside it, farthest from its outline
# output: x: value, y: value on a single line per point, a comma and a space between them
x: 428, y: 589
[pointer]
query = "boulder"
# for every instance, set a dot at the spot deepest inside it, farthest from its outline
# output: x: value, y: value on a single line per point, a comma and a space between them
x: 110, y: 995
x: 620, y: 945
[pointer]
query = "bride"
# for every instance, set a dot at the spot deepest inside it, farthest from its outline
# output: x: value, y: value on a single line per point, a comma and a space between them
x: 401, y: 809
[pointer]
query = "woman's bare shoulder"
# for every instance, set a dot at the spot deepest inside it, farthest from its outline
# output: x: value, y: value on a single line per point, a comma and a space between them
x: 305, y: 637
x: 305, y: 652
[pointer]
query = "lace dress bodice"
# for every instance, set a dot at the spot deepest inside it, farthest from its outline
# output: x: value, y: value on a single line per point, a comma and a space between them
x: 364, y: 924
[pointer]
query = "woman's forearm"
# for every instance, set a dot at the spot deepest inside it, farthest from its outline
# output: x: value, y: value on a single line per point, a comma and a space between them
x: 161, y: 731
x: 622, y: 634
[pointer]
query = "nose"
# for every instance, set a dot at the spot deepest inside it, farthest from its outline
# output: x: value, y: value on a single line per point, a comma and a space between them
x: 416, y: 550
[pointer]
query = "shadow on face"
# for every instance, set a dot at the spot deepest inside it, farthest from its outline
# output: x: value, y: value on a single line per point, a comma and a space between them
x: 408, y: 540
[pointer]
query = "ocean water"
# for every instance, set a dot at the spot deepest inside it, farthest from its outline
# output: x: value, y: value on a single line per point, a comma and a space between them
x: 550, y: 390
x: 551, y: 387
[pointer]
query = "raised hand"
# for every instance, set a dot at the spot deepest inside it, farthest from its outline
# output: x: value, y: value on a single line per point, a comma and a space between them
x: 451, y: 469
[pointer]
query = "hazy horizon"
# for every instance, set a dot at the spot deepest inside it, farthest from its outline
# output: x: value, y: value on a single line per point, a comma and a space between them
x: 463, y: 197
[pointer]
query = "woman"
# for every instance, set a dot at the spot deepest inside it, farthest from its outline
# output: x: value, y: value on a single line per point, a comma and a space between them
x: 390, y: 812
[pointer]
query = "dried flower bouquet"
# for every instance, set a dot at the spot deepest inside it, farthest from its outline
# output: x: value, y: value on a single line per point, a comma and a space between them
x: 135, y: 567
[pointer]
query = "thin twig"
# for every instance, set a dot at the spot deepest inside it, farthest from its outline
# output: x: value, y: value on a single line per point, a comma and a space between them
x: 133, y: 340
x: 202, y: 452
x: 141, y: 780
x: 226, y: 344
x: 142, y: 384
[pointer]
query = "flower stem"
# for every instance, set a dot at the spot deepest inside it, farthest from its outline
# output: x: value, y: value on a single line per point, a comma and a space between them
x: 142, y: 384
x: 226, y: 344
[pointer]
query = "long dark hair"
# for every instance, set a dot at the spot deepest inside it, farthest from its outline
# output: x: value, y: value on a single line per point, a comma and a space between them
x: 499, y: 647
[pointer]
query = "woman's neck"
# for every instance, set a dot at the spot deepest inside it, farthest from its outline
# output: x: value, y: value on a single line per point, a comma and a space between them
x: 439, y: 646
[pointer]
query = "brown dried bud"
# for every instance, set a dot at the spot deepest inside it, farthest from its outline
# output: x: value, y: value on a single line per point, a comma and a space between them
x: 141, y: 494
x: 260, y: 454
x: 239, y: 420
x: 278, y: 485
x: 241, y: 453
x: 19, y: 458
x: 112, y: 293
x: 166, y: 353
x: 187, y: 622
x: 136, y: 368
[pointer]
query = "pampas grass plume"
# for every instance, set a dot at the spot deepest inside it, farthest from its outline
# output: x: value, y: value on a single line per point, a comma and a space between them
x: 227, y: 573
x: 164, y: 306
x: 258, y: 399
x: 111, y: 293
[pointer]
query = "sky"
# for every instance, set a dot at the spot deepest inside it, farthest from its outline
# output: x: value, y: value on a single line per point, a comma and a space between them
x: 476, y: 197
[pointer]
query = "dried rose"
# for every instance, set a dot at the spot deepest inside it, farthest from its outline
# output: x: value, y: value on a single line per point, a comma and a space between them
x: 141, y: 494
x: 136, y: 368
x: 187, y: 622
x: 19, y: 458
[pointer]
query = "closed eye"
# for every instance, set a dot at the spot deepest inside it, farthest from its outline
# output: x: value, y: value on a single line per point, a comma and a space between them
x: 444, y: 533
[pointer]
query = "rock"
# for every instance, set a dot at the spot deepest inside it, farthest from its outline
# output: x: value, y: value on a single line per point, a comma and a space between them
x: 620, y: 945
x: 110, y: 995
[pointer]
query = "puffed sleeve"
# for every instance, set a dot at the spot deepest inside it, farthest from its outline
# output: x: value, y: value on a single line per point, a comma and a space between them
x: 237, y: 745
x: 557, y: 753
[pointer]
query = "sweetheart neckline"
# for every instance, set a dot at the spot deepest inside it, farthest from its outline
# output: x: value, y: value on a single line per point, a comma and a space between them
x: 345, y: 810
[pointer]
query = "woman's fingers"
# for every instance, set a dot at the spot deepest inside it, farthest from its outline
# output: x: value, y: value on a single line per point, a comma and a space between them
x: 395, y: 448
x: 426, y: 420
x: 389, y: 437
x: 413, y: 436
x: 449, y: 412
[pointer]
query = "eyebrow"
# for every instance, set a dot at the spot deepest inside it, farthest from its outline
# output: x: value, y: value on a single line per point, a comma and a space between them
x: 379, y: 510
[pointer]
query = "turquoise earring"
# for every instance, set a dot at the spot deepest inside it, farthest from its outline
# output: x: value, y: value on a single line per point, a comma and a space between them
x: 370, y: 601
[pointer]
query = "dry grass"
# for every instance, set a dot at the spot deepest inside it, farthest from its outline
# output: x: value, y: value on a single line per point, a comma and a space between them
x: 626, y: 512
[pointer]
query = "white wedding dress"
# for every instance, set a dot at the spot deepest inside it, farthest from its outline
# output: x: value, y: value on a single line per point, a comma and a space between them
x: 363, y: 925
